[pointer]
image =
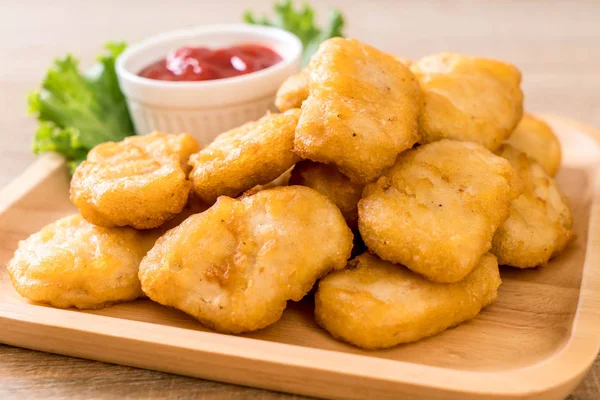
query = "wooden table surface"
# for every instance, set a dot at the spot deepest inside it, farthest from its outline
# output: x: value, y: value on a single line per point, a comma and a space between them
x: 555, y: 44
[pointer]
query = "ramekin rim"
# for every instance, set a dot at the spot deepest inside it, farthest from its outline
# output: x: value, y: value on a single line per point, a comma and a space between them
x: 133, y: 50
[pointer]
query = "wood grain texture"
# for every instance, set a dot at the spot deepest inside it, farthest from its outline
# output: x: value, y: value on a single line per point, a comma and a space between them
x: 556, y: 45
x: 58, y: 376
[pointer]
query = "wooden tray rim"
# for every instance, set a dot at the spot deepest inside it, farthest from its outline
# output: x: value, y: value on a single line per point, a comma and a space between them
x: 565, y: 366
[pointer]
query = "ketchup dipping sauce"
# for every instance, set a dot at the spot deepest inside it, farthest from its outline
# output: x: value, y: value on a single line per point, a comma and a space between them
x: 204, y: 64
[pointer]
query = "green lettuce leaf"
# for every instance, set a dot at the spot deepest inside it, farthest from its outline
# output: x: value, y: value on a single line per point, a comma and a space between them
x: 77, y: 111
x: 302, y: 23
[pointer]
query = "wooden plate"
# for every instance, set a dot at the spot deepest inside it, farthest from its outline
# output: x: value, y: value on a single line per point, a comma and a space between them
x: 537, y: 341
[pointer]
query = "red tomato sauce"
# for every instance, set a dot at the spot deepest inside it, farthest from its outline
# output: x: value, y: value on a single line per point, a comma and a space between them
x: 204, y: 64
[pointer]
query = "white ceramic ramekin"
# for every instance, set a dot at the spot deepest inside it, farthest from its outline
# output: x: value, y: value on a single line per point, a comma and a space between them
x: 206, y: 108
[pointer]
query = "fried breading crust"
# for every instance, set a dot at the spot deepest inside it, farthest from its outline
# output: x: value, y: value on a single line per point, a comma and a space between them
x: 535, y: 138
x: 361, y: 112
x: 468, y: 98
x: 293, y: 91
x: 253, y: 154
x: 376, y: 304
x: 72, y: 263
x: 437, y: 209
x: 234, y: 266
x: 540, y: 221
x: 329, y: 181
x: 139, y: 182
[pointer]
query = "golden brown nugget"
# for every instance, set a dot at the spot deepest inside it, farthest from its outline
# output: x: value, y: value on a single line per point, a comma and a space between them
x: 253, y: 154
x: 293, y: 91
x: 361, y: 112
x: 437, y: 209
x: 535, y: 138
x: 540, y: 221
x: 376, y: 304
x: 329, y: 181
x: 139, y: 182
x: 235, y: 266
x: 468, y: 98
x: 72, y: 263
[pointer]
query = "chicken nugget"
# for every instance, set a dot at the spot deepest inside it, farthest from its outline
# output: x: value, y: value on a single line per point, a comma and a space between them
x: 540, y: 221
x: 361, y: 112
x: 293, y: 91
x: 468, y: 98
x: 253, y: 154
x: 140, y: 181
x: 235, y: 266
x: 437, y: 209
x: 535, y: 138
x: 376, y: 304
x: 329, y: 181
x: 72, y: 263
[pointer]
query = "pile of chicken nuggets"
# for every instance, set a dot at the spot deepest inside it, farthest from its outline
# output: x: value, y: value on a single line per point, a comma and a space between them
x: 393, y: 188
